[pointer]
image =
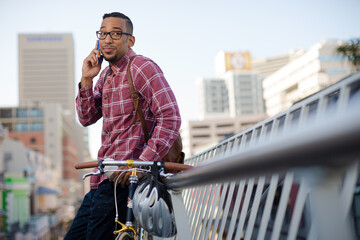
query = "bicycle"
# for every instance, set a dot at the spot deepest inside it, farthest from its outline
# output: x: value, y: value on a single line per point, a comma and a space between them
x: 129, y: 230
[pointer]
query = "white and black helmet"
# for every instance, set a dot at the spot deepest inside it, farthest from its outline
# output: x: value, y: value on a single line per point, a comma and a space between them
x: 152, y: 206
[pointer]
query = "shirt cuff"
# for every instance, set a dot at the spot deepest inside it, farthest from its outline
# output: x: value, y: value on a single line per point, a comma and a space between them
x: 83, y: 91
x: 149, y: 155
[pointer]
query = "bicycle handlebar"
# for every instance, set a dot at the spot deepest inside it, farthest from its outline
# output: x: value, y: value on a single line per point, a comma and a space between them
x: 133, y: 163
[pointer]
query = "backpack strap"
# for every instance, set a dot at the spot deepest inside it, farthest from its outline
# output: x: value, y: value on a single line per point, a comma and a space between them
x: 135, y: 98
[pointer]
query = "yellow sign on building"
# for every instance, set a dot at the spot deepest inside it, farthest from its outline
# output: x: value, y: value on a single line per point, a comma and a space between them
x: 237, y: 61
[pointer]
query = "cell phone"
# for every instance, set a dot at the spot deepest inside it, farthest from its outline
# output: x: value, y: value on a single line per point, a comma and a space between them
x: 98, y: 48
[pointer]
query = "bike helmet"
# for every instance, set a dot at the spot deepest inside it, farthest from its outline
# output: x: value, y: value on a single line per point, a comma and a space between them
x: 152, y: 206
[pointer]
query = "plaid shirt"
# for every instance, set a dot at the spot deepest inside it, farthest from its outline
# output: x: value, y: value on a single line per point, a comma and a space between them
x: 110, y: 99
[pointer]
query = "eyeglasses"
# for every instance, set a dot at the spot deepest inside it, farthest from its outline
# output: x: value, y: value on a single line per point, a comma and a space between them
x: 116, y: 35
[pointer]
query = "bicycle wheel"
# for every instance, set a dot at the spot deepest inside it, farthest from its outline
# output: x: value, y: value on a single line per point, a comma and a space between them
x: 124, y: 236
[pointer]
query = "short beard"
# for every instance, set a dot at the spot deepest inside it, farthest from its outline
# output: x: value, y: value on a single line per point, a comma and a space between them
x: 111, y: 59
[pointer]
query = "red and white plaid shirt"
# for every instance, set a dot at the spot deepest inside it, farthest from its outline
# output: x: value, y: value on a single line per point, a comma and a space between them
x: 110, y: 99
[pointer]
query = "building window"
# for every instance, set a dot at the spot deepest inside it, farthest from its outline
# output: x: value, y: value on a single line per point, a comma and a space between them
x: 22, y: 127
x: 201, y: 136
x: 22, y: 113
x: 37, y: 126
x: 33, y: 140
x: 36, y: 113
x: 5, y: 113
x: 225, y: 125
x: 201, y: 127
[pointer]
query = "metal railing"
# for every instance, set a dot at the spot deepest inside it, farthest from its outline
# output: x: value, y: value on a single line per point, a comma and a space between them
x: 291, y: 176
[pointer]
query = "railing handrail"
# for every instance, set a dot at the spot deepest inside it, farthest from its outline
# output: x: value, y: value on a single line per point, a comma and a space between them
x: 316, y: 144
x: 292, y: 175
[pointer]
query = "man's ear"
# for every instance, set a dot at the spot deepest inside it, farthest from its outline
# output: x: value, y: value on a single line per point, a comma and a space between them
x: 131, y: 41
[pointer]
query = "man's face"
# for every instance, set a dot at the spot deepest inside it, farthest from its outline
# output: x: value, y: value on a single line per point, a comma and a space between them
x: 114, y: 50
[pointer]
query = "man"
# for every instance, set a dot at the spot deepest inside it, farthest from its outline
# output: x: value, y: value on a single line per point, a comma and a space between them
x: 121, y: 138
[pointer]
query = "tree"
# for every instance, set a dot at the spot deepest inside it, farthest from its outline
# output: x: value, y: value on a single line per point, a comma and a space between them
x: 351, y: 50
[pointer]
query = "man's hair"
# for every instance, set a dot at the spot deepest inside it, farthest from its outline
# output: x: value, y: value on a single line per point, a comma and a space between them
x: 129, y: 25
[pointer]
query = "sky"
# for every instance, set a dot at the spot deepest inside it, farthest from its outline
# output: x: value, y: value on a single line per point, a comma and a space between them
x: 183, y: 37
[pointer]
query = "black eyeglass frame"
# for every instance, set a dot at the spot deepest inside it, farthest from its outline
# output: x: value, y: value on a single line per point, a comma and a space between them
x: 110, y: 33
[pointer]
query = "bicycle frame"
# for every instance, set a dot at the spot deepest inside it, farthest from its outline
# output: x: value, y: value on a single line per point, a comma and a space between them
x: 128, y: 227
x: 129, y: 224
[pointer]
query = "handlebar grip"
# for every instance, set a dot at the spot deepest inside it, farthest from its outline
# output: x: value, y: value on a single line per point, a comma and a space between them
x: 82, y: 165
x: 176, y: 166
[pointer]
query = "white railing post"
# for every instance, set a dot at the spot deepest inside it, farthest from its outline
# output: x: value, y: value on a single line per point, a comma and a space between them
x: 330, y: 221
x: 181, y: 218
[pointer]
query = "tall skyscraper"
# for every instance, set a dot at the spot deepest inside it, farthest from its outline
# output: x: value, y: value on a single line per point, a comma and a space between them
x: 46, y: 82
x: 46, y: 69
x: 245, y: 93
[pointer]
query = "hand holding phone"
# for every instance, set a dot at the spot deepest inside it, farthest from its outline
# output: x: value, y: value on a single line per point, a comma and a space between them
x: 91, y: 66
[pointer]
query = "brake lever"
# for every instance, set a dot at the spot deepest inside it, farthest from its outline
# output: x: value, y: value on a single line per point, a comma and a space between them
x: 99, y: 170
x: 92, y: 174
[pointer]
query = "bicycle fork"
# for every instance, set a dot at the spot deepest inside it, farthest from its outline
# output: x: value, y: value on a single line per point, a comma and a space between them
x: 129, y: 224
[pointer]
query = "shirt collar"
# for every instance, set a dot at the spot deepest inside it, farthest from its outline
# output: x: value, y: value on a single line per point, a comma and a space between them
x: 123, y: 61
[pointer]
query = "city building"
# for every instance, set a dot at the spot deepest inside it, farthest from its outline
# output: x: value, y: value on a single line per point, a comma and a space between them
x: 267, y: 66
x: 16, y: 203
x: 228, y: 103
x: 245, y: 93
x: 213, y: 98
x: 46, y: 69
x: 46, y: 129
x: 39, y: 127
x: 236, y: 91
x: 315, y: 69
x: 31, y: 191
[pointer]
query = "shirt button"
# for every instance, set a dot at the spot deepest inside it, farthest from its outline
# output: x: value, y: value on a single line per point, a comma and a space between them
x: 109, y: 82
x: 106, y: 115
x: 105, y: 97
